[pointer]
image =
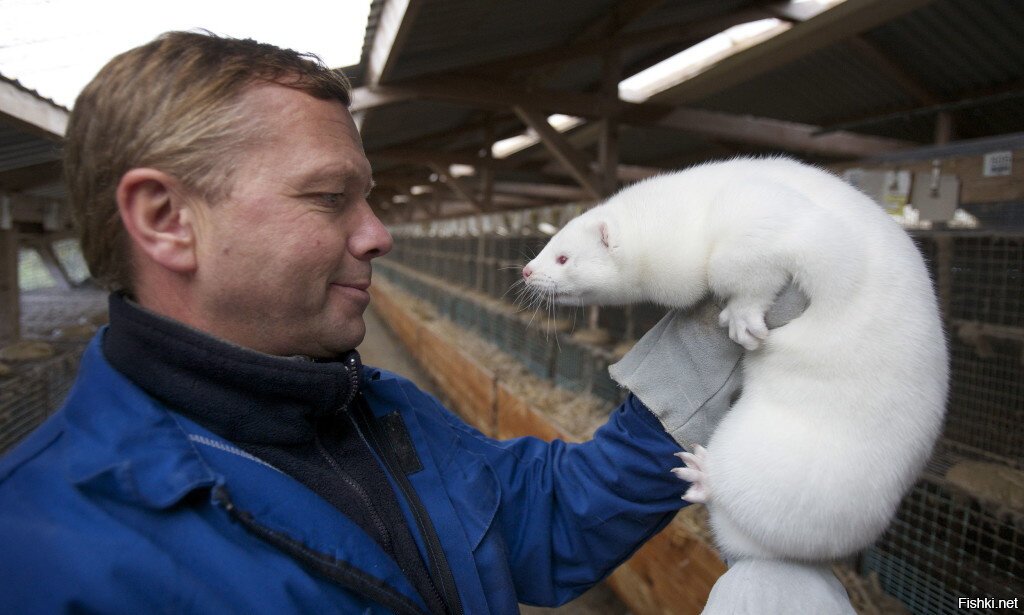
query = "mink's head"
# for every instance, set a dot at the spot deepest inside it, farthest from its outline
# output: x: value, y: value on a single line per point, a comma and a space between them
x: 584, y: 263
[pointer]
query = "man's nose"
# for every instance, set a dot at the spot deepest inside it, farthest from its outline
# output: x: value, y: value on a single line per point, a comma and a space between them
x: 372, y: 239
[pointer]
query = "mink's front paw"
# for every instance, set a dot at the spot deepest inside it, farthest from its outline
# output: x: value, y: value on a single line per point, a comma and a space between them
x: 746, y: 325
x: 694, y: 473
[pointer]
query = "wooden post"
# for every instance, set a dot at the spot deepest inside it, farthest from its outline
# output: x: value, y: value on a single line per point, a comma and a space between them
x: 10, y: 307
x: 608, y: 156
x: 943, y: 128
x: 487, y: 172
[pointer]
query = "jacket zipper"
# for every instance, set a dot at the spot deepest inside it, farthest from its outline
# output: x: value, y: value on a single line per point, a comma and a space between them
x: 441, y: 574
x: 382, y: 529
x: 342, y: 573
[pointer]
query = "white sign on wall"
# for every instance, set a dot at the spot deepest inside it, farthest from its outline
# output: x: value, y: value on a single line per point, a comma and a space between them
x: 997, y: 163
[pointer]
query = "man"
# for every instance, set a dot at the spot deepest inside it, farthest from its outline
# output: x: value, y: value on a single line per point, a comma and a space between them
x: 223, y: 449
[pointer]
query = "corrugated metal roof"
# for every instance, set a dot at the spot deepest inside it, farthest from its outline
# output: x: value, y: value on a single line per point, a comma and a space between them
x: 954, y: 48
x: 19, y: 149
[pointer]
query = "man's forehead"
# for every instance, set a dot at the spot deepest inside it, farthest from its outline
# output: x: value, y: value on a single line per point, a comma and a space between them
x: 293, y: 124
x: 284, y: 110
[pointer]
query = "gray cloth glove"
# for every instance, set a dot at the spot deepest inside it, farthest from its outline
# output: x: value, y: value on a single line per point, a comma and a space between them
x: 772, y: 587
x: 686, y: 369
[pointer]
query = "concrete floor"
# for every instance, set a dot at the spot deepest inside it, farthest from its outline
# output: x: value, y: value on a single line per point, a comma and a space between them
x: 381, y: 348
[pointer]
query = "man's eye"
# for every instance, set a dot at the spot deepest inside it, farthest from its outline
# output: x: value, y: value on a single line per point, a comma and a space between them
x: 332, y: 199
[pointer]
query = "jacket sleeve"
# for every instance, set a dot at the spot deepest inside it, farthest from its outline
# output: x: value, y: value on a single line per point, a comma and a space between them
x: 570, y: 513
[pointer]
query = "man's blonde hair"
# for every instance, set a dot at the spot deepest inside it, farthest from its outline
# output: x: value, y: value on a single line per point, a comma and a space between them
x: 171, y: 105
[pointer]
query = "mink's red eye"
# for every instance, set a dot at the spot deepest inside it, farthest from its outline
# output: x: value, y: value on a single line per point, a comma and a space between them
x: 562, y: 259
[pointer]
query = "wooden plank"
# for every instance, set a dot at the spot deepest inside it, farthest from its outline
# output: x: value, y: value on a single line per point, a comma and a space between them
x: 468, y: 386
x: 516, y: 418
x: 672, y: 573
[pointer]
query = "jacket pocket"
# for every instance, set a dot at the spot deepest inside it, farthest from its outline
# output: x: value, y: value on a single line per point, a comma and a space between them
x: 474, y: 491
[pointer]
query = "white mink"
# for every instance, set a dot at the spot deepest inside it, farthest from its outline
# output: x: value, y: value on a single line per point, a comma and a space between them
x: 841, y: 406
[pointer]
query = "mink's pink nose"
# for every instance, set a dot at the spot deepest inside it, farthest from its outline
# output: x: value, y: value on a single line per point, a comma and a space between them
x: 527, y: 272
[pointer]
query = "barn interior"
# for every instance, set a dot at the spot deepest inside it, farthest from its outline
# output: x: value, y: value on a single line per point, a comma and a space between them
x: 491, y: 124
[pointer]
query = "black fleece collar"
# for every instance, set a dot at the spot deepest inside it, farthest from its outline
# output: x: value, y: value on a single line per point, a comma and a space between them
x: 243, y: 395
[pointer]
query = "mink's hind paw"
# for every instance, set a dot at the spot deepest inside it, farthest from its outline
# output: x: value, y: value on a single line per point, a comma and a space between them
x: 694, y: 473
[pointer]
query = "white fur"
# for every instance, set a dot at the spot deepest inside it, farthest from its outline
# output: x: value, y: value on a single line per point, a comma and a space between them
x: 840, y: 407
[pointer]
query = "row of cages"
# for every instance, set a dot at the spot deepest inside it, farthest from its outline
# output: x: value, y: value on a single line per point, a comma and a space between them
x: 35, y: 389
x: 948, y: 541
x: 982, y: 273
x: 546, y: 354
x: 56, y: 326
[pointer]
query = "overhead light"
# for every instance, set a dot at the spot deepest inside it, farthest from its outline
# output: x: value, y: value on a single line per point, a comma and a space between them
x: 695, y: 60
x: 461, y: 170
x: 507, y: 147
x: 547, y: 228
x: 400, y: 198
x: 418, y: 190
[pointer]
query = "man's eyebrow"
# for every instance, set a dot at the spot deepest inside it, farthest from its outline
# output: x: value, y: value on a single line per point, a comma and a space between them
x: 333, y: 173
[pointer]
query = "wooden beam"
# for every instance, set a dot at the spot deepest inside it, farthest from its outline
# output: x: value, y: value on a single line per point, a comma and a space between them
x: 427, y: 157
x: 44, y: 247
x: 393, y: 27
x: 546, y: 191
x: 1006, y: 92
x: 626, y: 173
x: 456, y: 185
x: 608, y: 146
x: 484, y: 94
x: 780, y: 134
x: 790, y: 136
x: 487, y: 172
x: 23, y: 178
x: 572, y: 160
x: 836, y: 24
x: 30, y: 112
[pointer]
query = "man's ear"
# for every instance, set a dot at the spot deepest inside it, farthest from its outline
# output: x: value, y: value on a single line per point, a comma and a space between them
x: 158, y: 218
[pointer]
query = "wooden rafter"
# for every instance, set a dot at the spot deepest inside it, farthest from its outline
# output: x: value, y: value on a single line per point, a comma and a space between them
x: 456, y: 185
x: 562, y: 150
x: 790, y: 136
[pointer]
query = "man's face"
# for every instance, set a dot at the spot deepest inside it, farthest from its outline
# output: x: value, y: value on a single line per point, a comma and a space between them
x: 284, y: 261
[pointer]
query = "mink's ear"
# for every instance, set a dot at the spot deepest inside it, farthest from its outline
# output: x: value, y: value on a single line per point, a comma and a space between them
x: 605, y: 234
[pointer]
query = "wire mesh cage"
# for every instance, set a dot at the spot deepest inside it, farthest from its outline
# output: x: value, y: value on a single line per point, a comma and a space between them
x: 35, y: 390
x: 986, y: 407
x: 953, y: 538
x: 988, y: 279
x: 572, y: 366
x: 539, y: 352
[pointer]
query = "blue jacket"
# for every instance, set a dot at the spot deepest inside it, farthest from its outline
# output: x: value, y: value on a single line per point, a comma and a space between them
x: 117, y: 504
